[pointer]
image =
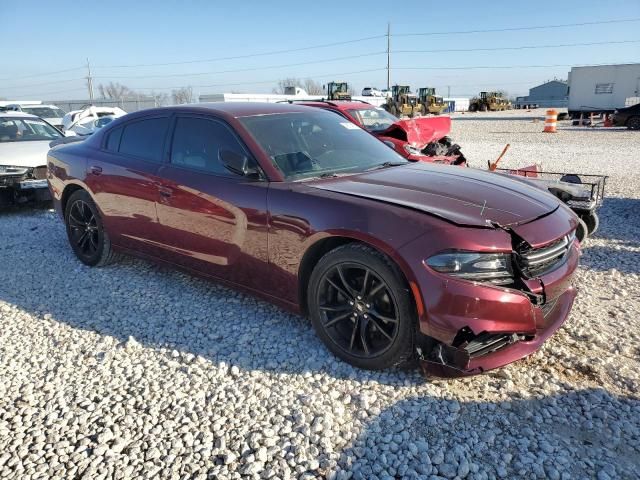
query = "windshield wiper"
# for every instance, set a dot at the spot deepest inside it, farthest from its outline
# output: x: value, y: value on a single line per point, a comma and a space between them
x: 386, y: 165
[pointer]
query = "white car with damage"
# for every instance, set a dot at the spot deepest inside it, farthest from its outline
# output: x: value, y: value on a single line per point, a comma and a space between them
x: 89, y: 119
x: 24, y: 143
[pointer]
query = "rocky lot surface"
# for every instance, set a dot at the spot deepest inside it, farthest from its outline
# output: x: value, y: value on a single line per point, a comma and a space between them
x: 137, y: 371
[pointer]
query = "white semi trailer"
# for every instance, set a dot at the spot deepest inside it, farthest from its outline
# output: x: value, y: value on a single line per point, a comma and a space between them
x: 603, y: 88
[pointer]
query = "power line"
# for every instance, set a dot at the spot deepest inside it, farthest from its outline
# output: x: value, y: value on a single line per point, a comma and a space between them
x: 250, y: 55
x: 514, y: 29
x: 259, y: 82
x: 491, y: 67
x: 524, y: 47
x: 246, y: 69
x: 41, y: 84
x: 43, y: 73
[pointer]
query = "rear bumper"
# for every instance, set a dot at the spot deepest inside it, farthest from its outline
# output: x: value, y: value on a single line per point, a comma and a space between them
x: 464, y: 366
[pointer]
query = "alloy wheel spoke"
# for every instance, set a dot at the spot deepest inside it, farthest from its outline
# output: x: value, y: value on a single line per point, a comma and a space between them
x: 356, y: 324
x: 94, y: 240
x: 74, y: 221
x: 351, y: 291
x: 338, y: 288
x: 363, y: 335
x: 375, y: 291
x: 335, y: 308
x: 336, y: 319
x: 364, y: 283
x: 383, y: 318
x: 81, y: 240
x: 383, y: 331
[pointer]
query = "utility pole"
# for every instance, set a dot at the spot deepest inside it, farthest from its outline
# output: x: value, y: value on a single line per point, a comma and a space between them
x: 388, y: 55
x: 448, y: 91
x: 89, y: 81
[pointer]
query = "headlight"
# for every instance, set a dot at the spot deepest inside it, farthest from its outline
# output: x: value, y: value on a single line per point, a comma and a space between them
x: 491, y: 267
x: 411, y: 150
x: 9, y: 170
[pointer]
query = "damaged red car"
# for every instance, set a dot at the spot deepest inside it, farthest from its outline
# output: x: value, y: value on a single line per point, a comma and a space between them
x: 391, y: 259
x: 417, y: 139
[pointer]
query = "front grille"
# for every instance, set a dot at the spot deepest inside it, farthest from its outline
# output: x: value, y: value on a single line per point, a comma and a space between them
x: 538, y: 261
x: 487, y: 343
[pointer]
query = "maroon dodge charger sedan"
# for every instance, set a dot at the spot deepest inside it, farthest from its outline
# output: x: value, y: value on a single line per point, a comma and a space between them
x: 467, y: 270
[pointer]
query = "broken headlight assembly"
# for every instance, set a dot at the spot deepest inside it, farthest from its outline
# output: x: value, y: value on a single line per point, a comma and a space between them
x: 411, y: 150
x: 494, y: 268
x: 13, y: 171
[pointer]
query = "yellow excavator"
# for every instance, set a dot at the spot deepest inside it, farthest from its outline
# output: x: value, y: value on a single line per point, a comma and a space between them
x: 402, y: 101
x: 338, y: 91
x: 429, y: 102
x: 491, y: 101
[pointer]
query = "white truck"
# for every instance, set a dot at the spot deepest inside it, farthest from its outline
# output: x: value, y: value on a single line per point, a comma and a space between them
x: 603, y: 88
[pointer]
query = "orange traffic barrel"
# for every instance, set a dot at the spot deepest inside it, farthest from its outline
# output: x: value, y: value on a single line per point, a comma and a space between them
x: 550, y: 121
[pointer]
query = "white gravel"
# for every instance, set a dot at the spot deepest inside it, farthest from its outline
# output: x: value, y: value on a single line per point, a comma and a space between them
x: 136, y: 371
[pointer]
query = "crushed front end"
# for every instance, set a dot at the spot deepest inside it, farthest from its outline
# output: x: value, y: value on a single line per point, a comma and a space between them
x: 23, y: 184
x: 479, y: 321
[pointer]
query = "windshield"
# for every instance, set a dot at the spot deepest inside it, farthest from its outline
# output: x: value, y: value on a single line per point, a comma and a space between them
x: 26, y: 129
x: 44, y: 112
x: 373, y: 119
x: 318, y: 144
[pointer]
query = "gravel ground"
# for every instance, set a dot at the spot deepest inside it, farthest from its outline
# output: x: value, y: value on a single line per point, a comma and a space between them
x: 136, y: 371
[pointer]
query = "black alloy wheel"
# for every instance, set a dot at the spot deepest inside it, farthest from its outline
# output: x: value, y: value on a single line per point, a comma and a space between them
x: 360, y: 308
x: 85, y: 230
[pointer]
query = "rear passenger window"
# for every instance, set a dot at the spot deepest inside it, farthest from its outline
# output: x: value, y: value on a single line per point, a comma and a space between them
x: 144, y: 138
x: 113, y: 140
x: 197, y: 143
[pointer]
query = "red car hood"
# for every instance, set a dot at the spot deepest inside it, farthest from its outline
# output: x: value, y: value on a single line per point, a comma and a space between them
x: 463, y: 196
x: 418, y: 131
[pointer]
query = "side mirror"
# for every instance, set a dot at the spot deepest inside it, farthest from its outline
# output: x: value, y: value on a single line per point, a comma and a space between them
x: 239, y: 164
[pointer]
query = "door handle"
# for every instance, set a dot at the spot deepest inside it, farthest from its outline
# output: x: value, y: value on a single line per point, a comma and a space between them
x: 95, y: 170
x: 164, y: 191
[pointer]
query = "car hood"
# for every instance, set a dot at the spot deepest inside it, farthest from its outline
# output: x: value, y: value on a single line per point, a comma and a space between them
x: 463, y: 196
x: 24, y: 154
x: 419, y: 132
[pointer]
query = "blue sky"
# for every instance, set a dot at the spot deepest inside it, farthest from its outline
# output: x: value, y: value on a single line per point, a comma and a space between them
x: 51, y: 36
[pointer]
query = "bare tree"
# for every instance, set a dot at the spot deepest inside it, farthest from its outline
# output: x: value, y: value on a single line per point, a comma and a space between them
x: 160, y: 99
x: 352, y: 91
x: 115, y: 91
x: 182, y: 95
x: 312, y: 87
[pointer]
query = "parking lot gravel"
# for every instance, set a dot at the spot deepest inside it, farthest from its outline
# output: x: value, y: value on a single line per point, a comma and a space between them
x: 138, y: 371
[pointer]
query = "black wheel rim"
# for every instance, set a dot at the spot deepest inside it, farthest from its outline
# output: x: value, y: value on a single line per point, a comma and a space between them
x: 83, y: 228
x: 358, y: 310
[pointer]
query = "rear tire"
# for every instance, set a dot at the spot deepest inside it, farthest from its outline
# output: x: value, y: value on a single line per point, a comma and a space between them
x: 86, y: 233
x: 361, y: 308
x: 633, y: 123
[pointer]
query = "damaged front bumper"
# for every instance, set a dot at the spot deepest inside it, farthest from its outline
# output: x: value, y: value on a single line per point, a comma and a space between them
x: 490, y: 351
x: 27, y: 184
x: 468, y: 327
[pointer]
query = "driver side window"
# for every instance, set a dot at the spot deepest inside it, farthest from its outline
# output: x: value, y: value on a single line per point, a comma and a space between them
x: 197, y: 143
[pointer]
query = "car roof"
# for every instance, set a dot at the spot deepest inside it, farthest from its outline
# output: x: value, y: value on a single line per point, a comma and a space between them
x: 246, y: 109
x: 14, y: 114
x: 338, y: 104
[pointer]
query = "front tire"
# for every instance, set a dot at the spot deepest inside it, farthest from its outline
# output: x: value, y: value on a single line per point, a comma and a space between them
x: 361, y: 308
x: 86, y: 233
